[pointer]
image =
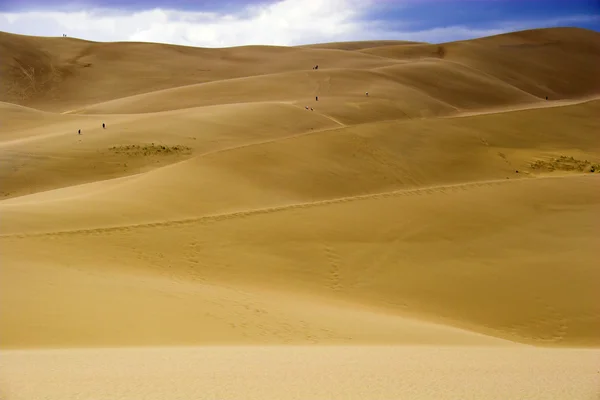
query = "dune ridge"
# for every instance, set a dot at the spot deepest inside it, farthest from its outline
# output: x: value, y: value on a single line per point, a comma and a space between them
x: 403, y: 202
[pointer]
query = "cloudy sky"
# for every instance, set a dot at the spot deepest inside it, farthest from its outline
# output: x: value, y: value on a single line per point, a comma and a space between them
x: 223, y: 23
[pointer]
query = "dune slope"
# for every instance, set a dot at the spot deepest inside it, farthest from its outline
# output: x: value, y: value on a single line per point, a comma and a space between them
x: 375, y: 258
x: 51, y: 73
x: 558, y: 62
x: 295, y: 165
x: 416, y: 210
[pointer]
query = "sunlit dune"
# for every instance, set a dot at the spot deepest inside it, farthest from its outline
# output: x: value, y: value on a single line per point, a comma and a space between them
x: 409, y: 219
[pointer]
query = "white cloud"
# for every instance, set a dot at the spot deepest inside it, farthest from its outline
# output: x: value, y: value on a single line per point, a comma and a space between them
x: 287, y: 22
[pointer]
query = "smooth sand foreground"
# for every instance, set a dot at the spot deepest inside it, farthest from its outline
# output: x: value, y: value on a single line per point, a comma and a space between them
x: 288, y: 372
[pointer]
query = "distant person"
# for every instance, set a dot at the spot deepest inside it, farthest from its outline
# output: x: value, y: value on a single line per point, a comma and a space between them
x: 79, y: 132
x: 316, y: 98
x: 367, y: 93
x: 311, y: 109
x: 306, y: 107
x: 103, y: 126
x: 317, y: 66
x: 546, y: 97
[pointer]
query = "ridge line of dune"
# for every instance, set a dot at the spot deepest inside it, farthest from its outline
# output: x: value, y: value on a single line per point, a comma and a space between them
x: 464, y: 114
x: 8, y: 143
x: 239, y: 78
x: 207, y: 153
x: 540, y: 104
x: 379, y: 71
x: 487, y: 74
x: 268, y: 210
x: 524, y: 107
x: 192, y: 158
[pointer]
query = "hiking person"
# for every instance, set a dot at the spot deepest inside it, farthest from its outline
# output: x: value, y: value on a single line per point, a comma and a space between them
x: 103, y: 126
x: 79, y: 132
x: 316, y: 98
x: 367, y: 93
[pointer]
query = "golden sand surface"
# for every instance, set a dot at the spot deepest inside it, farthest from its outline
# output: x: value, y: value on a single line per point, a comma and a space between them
x: 229, y: 236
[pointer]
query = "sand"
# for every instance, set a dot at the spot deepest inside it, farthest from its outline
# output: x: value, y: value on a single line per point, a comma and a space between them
x: 435, y: 239
x: 301, y: 373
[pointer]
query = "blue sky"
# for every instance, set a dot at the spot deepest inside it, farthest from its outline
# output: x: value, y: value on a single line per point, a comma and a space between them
x: 222, y: 23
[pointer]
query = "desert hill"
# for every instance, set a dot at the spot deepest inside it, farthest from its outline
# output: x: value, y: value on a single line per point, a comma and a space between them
x: 297, y: 165
x: 49, y: 73
x: 224, y: 205
x: 532, y: 61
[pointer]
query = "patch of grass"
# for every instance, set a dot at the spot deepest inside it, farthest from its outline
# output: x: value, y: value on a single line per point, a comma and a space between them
x: 150, y: 149
x: 564, y: 163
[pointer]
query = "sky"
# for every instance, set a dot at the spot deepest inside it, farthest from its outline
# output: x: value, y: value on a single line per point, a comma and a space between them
x: 226, y: 23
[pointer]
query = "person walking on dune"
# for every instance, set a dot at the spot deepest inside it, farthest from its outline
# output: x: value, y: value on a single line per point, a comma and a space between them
x: 103, y: 126
x: 79, y: 132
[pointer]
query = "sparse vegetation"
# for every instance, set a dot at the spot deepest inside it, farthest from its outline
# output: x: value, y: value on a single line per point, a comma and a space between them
x: 28, y: 81
x: 150, y: 149
x: 564, y: 163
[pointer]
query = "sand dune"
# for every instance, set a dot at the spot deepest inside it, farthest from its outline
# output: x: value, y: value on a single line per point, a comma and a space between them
x: 361, y: 159
x: 64, y: 158
x: 532, y: 61
x: 339, y: 92
x: 444, y: 225
x: 367, y: 259
x: 48, y: 73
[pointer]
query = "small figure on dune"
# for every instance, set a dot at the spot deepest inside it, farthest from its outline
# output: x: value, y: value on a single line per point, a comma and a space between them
x: 316, y: 98
x: 311, y: 109
x: 79, y: 132
x: 367, y: 93
x: 317, y: 66
x: 546, y: 97
x: 103, y: 126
